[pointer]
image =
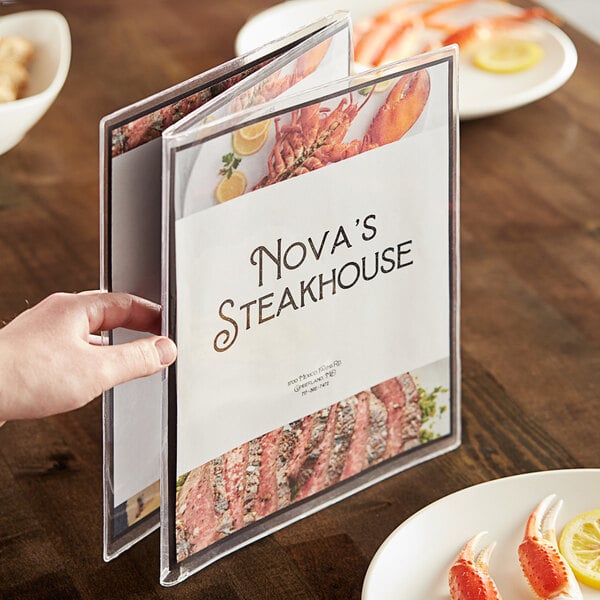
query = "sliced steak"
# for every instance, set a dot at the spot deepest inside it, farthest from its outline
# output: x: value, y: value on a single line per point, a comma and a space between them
x: 235, y: 464
x: 356, y: 457
x: 412, y: 420
x: 289, y: 441
x: 302, y: 447
x: 296, y: 461
x: 316, y: 480
x: 344, y: 428
x: 195, y: 510
x: 252, y: 477
x: 312, y: 452
x: 390, y: 392
x: 266, y: 500
x: 224, y: 521
x: 377, y: 439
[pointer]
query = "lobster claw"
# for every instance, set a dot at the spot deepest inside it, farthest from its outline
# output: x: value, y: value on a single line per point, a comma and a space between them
x: 469, y: 577
x: 544, y: 567
x: 403, y: 106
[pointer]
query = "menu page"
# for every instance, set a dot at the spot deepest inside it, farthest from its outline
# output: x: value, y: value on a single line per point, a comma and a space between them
x: 313, y: 296
x: 131, y: 173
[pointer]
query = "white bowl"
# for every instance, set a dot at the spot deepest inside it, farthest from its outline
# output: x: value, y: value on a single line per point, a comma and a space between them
x: 48, y: 30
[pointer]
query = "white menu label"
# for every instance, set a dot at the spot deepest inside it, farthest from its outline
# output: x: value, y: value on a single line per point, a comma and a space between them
x: 301, y: 294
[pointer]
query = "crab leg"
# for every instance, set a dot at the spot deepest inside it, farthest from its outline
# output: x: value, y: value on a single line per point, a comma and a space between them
x: 484, y: 29
x: 469, y: 577
x: 543, y: 565
x: 428, y: 15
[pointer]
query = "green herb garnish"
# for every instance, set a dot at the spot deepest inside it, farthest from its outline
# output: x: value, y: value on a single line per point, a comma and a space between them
x: 430, y: 412
x: 230, y: 163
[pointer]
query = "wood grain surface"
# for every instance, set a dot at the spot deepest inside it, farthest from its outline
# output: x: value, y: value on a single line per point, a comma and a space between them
x: 530, y: 315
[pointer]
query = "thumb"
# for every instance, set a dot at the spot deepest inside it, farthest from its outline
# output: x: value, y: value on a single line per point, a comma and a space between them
x: 140, y: 358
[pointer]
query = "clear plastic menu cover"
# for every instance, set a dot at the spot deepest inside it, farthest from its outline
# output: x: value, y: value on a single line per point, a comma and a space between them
x: 130, y: 174
x: 312, y: 289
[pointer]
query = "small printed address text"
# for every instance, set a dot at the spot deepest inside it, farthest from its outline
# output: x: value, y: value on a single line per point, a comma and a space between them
x: 312, y: 381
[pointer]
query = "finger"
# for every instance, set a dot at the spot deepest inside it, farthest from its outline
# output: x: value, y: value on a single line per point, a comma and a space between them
x: 95, y: 340
x: 123, y: 362
x: 118, y: 309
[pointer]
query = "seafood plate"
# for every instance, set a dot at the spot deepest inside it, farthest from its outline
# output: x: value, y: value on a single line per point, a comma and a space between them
x: 430, y: 541
x: 482, y: 93
x: 547, y: 571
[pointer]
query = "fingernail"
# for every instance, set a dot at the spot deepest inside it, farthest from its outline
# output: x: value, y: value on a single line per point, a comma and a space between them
x: 167, y: 351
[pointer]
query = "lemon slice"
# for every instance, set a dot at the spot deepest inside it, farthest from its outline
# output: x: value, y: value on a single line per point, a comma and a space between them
x: 379, y: 87
x: 231, y: 187
x: 244, y: 146
x: 508, y: 55
x: 580, y: 545
x: 256, y: 130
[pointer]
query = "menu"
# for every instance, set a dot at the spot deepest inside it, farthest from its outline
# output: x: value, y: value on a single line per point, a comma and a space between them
x: 299, y: 225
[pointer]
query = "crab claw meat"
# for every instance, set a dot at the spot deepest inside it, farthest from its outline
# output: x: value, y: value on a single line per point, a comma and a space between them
x: 544, y: 567
x: 469, y: 577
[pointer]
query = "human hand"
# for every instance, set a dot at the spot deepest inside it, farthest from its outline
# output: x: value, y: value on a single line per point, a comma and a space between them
x: 51, y: 361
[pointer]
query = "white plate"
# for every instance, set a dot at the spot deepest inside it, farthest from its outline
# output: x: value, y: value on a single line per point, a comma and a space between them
x: 414, y: 560
x: 480, y: 93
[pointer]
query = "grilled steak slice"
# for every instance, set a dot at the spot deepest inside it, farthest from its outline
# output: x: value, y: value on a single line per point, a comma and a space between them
x: 235, y: 463
x: 412, y: 420
x: 356, y: 458
x: 344, y: 427
x: 311, y: 452
x: 224, y: 521
x: 252, y: 477
x: 316, y: 480
x: 392, y: 395
x: 290, y: 440
x: 377, y: 439
x: 302, y: 446
x: 267, y: 501
x: 195, y: 509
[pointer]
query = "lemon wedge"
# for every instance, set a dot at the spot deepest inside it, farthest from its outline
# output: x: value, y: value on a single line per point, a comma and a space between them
x: 580, y: 545
x: 256, y: 130
x: 245, y: 146
x: 508, y: 55
x: 231, y: 187
x: 250, y: 139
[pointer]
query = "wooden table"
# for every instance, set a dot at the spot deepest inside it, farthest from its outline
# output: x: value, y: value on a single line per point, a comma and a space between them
x: 530, y: 316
